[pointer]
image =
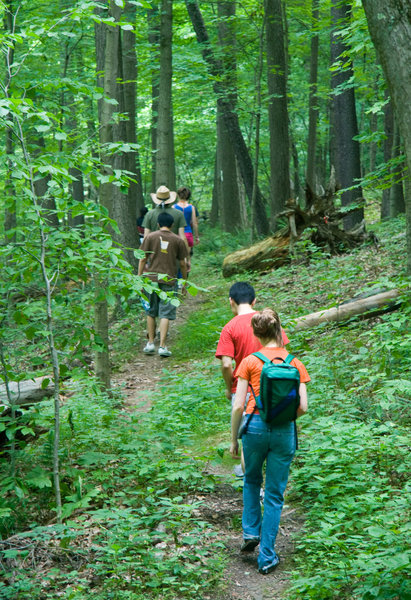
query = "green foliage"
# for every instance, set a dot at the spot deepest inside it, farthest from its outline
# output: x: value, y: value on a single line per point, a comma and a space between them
x: 126, y: 479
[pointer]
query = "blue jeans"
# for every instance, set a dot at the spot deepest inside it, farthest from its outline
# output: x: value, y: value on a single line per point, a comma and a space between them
x: 276, y: 446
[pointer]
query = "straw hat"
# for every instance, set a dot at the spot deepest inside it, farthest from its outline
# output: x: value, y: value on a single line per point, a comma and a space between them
x: 163, y: 194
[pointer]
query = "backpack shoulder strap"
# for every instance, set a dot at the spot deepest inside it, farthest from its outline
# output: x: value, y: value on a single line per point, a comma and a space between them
x: 286, y: 360
x: 261, y: 357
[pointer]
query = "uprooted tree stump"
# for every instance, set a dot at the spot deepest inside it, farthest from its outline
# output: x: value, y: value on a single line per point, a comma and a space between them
x: 320, y: 216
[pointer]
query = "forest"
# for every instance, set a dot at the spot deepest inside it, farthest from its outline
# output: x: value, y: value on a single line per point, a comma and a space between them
x: 289, y: 121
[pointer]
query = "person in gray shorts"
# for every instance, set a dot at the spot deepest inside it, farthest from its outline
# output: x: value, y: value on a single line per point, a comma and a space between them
x: 165, y: 252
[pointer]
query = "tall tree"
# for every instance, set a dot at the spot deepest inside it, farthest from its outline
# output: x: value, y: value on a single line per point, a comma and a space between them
x: 397, y: 202
x: 153, y: 22
x: 388, y: 132
x: 313, y: 100
x: 389, y: 23
x: 277, y: 109
x: 129, y: 85
x: 165, y: 161
x: 230, y: 116
x: 226, y: 176
x: 10, y: 216
x: 345, y: 148
x: 107, y: 53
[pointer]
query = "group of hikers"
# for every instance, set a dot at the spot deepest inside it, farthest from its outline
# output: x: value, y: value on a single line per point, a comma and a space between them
x: 250, y: 340
x: 170, y: 231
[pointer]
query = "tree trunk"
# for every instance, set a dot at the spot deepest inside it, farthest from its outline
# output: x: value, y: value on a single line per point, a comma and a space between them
x: 154, y: 41
x: 216, y: 70
x: 165, y: 162
x: 345, y: 311
x: 227, y: 187
x: 135, y: 190
x: 77, y: 191
x: 10, y: 211
x: 345, y: 149
x: 41, y: 188
x: 397, y: 204
x: 388, y: 145
x: 258, y: 77
x: 313, y: 100
x: 277, y: 109
x: 215, y: 208
x: 102, y: 366
x: 107, y: 42
x: 389, y: 23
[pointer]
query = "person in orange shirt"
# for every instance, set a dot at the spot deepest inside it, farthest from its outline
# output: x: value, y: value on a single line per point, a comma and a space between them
x: 262, y: 443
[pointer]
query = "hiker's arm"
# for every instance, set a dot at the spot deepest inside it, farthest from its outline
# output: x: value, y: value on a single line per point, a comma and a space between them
x: 237, y: 413
x: 141, y: 265
x: 194, y: 223
x: 183, y: 237
x: 227, y: 372
x: 183, y: 268
x: 302, y: 409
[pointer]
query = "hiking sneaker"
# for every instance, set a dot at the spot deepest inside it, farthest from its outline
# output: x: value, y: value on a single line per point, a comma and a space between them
x: 238, y: 471
x: 268, y: 568
x: 149, y: 348
x: 249, y: 544
x: 163, y: 351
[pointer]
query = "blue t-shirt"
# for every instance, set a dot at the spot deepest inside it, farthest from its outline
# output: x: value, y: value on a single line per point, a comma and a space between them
x: 188, y: 214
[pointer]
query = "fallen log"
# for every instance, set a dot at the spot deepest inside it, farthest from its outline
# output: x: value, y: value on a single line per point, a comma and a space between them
x: 27, y: 392
x: 342, y: 312
x: 320, y: 220
x: 270, y: 253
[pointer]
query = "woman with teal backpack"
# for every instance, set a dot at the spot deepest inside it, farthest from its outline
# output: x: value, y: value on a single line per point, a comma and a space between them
x: 264, y: 442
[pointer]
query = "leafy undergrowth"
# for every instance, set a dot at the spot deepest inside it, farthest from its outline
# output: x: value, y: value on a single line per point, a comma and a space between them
x: 130, y: 529
x: 130, y: 481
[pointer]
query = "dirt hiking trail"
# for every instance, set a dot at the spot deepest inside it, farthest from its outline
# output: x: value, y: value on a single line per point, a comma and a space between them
x: 222, y: 508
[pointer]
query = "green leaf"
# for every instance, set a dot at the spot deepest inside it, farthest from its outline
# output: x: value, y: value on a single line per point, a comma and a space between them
x: 39, y: 478
x: 45, y: 383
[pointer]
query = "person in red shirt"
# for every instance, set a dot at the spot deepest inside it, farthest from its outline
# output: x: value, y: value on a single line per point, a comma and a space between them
x: 237, y: 339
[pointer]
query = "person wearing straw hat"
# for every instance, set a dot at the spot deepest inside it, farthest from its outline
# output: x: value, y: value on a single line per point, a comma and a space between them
x: 163, y: 199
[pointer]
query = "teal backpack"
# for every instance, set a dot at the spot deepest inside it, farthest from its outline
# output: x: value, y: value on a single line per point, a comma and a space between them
x: 279, y: 396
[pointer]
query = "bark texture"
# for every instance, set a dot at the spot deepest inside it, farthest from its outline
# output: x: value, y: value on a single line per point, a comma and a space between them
x: 277, y: 109
x: 313, y: 100
x: 389, y: 23
x: 226, y: 177
x: 165, y: 162
x: 375, y: 303
x: 345, y: 149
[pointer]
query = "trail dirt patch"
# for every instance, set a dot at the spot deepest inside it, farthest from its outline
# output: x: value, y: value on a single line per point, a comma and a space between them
x: 222, y: 508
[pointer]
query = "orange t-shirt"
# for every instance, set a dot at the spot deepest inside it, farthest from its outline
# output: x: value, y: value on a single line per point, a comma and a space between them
x: 250, y: 369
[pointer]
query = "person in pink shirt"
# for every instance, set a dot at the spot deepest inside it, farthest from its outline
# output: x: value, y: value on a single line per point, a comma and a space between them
x: 237, y: 339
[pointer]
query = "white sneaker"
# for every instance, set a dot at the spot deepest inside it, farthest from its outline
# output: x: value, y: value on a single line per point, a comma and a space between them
x: 238, y: 471
x: 163, y: 351
x: 149, y: 348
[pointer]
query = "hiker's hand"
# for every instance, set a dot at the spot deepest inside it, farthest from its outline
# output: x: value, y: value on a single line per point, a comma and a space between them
x: 228, y: 394
x: 234, y: 450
